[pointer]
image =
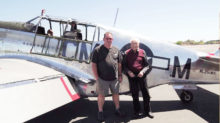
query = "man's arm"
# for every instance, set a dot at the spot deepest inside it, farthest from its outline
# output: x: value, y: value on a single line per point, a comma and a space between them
x: 146, y: 66
x: 94, y: 69
x: 124, y: 62
x: 120, y: 72
x: 94, y: 64
x: 144, y: 70
x: 126, y: 70
x: 120, y: 60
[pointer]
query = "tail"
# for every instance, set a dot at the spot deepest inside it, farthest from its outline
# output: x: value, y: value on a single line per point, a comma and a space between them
x: 216, y: 53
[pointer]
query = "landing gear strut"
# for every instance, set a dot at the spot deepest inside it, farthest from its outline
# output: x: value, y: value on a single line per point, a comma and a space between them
x: 186, y: 96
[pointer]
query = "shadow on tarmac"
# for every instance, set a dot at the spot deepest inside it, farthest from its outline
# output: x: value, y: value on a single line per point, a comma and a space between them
x: 205, y: 105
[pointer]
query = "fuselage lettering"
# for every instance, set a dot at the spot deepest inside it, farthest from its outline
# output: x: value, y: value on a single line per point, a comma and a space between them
x: 177, y: 67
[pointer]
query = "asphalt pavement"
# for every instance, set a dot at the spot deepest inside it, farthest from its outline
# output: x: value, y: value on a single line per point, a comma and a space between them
x: 165, y: 103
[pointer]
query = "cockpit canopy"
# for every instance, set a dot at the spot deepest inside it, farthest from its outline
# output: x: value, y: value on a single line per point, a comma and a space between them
x: 64, y: 38
x: 62, y: 27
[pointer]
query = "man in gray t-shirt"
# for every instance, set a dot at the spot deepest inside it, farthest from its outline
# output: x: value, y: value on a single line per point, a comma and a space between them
x: 106, y: 66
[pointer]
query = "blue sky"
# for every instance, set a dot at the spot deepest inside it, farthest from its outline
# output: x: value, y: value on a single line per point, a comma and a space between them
x: 165, y: 20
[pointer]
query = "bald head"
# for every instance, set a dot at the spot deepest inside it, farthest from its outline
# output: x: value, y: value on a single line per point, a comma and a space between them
x: 107, y: 33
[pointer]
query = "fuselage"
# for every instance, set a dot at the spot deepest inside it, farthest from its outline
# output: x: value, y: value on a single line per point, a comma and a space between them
x: 170, y: 63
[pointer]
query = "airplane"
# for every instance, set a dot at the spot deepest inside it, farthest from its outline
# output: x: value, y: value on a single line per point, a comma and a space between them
x: 170, y: 64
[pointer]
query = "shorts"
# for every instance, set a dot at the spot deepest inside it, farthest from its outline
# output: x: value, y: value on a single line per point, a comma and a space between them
x: 103, y: 87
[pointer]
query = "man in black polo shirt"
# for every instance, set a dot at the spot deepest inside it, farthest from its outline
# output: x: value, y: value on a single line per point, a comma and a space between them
x: 106, y: 66
x: 136, y: 66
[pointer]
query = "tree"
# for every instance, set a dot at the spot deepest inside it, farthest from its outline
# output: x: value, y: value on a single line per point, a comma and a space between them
x: 179, y: 42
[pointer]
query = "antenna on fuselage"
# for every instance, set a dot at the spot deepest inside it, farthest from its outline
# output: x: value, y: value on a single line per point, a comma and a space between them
x: 116, y: 17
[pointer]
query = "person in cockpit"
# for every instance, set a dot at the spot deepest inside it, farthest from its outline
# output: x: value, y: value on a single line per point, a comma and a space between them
x: 74, y: 33
x: 50, y: 32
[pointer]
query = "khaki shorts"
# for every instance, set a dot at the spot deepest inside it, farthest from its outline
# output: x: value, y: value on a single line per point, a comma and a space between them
x: 103, y: 87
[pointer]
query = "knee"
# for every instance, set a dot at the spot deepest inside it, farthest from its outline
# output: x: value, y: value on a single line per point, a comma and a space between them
x: 101, y: 96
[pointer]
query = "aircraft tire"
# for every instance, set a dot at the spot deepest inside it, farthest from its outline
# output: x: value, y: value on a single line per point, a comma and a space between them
x: 186, y: 96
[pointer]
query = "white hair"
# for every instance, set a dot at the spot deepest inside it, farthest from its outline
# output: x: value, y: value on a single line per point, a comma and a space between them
x: 135, y: 40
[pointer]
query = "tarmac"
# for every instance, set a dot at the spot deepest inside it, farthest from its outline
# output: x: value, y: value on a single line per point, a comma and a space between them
x: 165, y: 103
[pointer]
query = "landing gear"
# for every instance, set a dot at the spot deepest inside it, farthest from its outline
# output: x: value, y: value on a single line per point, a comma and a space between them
x: 186, y: 96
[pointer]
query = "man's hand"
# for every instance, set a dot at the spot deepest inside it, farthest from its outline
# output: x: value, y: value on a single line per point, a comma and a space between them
x: 131, y: 74
x: 140, y: 74
x: 97, y: 78
x: 120, y: 78
x: 94, y: 69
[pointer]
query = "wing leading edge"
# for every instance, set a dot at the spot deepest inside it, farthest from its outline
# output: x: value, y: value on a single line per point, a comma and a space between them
x: 69, y: 71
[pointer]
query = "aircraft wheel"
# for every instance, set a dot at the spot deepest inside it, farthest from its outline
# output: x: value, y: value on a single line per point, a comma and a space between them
x: 186, y: 96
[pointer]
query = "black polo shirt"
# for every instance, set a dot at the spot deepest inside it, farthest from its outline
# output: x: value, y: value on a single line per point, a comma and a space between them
x: 107, y: 62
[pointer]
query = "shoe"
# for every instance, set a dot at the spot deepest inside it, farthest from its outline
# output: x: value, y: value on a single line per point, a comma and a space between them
x: 149, y: 114
x: 100, y: 116
x: 119, y: 113
x: 136, y: 115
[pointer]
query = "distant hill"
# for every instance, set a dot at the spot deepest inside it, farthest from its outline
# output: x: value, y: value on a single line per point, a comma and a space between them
x: 192, y: 42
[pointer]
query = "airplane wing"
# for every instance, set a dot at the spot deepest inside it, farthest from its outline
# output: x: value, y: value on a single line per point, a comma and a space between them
x: 28, y: 90
x: 70, y: 71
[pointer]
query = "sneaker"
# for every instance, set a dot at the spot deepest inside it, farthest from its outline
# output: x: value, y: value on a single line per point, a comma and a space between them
x: 100, y: 116
x: 119, y: 113
x: 149, y: 114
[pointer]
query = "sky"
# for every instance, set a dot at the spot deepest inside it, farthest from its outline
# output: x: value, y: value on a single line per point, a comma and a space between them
x: 162, y: 20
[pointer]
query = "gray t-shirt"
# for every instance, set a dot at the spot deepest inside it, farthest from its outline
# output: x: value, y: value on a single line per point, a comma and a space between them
x: 107, y: 62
